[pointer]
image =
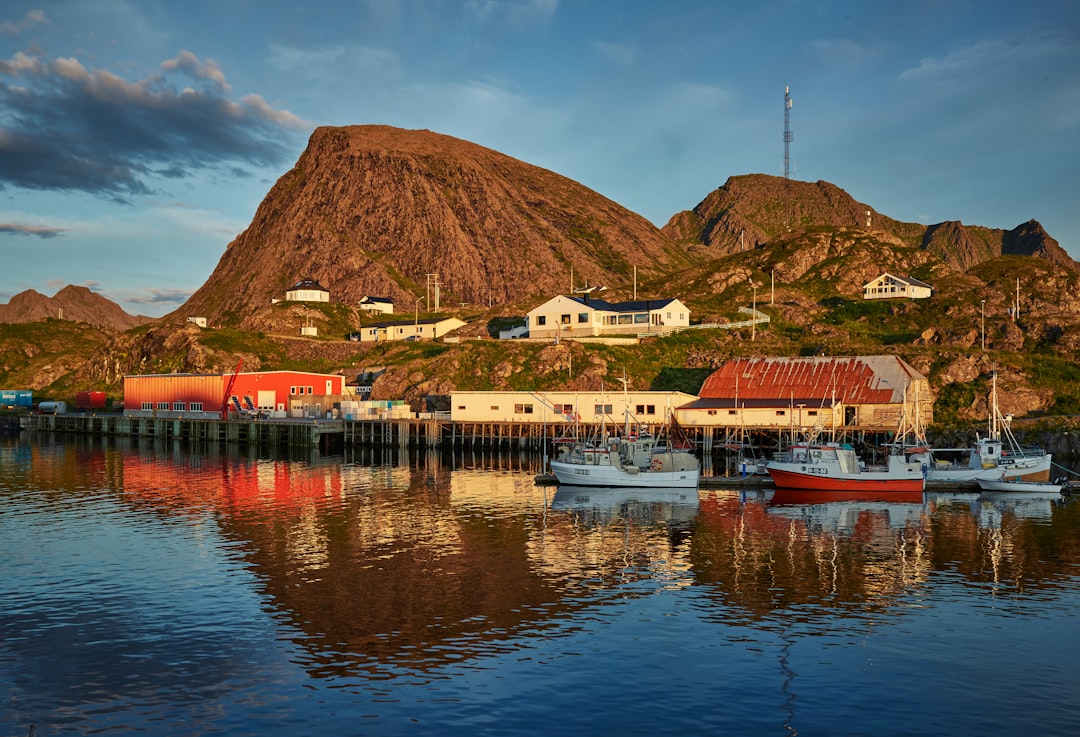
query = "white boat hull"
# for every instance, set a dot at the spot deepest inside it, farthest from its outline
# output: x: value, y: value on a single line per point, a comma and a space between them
x: 1013, y: 487
x: 576, y: 474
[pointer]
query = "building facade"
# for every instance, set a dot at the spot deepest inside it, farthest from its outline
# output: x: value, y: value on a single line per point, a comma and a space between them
x: 274, y: 393
x: 647, y: 407
x: 379, y: 305
x: 307, y: 290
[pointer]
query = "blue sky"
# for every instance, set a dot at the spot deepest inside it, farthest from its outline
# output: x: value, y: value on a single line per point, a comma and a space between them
x: 138, y: 138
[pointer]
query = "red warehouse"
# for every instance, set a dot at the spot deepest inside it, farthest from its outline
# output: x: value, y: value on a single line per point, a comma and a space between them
x: 275, y: 392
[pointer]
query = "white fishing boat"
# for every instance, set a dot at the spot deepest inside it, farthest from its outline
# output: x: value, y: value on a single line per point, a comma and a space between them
x: 1008, y: 485
x: 989, y: 458
x: 633, y: 457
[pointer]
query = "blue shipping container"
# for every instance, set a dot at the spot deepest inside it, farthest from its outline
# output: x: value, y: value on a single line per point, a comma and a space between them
x: 16, y: 398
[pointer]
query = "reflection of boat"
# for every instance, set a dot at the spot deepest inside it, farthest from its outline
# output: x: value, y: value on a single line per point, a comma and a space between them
x: 636, y: 457
x: 842, y: 511
x: 835, y: 467
x: 644, y: 504
x: 997, y: 453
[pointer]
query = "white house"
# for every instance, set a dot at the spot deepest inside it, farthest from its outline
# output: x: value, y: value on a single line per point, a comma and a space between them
x: 381, y: 305
x: 572, y: 316
x: 888, y: 286
x: 307, y: 290
x: 407, y: 330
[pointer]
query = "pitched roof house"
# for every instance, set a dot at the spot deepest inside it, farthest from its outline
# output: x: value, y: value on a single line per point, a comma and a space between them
x: 569, y: 316
x: 382, y: 305
x: 307, y: 290
x: 890, y: 286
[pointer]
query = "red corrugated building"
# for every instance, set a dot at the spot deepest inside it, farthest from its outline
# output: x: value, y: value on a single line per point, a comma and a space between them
x: 270, y: 391
x: 816, y: 391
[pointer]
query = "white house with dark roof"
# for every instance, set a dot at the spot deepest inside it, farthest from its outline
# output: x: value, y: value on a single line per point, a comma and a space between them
x: 307, y: 290
x: 890, y: 286
x: 569, y: 316
x: 429, y: 329
x: 381, y: 305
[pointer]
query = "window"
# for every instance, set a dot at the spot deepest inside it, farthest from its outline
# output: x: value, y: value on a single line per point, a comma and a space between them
x: 195, y: 406
x: 541, y: 319
x: 583, y: 317
x: 602, y: 409
x: 780, y: 413
x: 712, y: 412
x: 461, y: 408
x: 564, y: 319
x: 733, y: 411
x: 292, y: 390
x: 640, y: 318
x: 650, y: 409
x: 640, y: 409
x: 811, y: 412
x: 162, y: 405
x: 310, y: 390
x: 626, y: 319
x: 178, y: 406
x: 523, y: 409
x: 494, y: 408
x: 147, y: 405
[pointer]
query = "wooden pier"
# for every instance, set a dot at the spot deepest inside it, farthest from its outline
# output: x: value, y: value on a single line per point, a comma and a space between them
x: 377, y: 433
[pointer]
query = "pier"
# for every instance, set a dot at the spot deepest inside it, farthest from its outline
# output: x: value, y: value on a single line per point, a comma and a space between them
x: 423, y: 432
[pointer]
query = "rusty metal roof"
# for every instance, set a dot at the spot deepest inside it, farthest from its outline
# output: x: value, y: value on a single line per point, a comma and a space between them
x: 852, y: 379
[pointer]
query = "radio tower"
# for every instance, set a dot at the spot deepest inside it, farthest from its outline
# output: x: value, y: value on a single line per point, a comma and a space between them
x: 787, y: 132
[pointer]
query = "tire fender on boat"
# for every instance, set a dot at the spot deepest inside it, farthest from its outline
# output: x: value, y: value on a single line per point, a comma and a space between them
x: 657, y: 464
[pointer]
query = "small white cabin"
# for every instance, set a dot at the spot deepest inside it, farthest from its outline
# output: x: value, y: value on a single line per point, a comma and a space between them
x: 569, y: 316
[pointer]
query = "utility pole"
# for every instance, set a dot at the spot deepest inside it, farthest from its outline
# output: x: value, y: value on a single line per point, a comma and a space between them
x: 753, y: 314
x: 983, y: 311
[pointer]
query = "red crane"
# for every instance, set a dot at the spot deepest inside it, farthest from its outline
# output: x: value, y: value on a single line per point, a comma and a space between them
x: 228, y: 391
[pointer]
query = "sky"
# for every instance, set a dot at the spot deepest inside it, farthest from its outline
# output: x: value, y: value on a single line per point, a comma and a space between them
x: 137, y: 139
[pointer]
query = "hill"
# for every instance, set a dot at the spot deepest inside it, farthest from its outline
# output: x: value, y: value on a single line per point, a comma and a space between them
x: 70, y: 303
x: 375, y: 210
x: 752, y: 210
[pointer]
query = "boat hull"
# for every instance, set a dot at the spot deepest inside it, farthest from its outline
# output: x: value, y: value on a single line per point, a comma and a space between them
x: 862, y: 482
x: 575, y: 474
x: 1019, y: 487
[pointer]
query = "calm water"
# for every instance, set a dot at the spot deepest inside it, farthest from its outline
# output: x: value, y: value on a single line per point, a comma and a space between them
x: 156, y: 590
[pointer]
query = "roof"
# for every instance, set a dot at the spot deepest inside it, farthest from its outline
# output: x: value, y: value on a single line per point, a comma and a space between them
x: 634, y: 306
x: 369, y: 298
x: 909, y: 280
x: 307, y: 284
x: 753, y: 403
x: 815, y: 379
x: 426, y: 321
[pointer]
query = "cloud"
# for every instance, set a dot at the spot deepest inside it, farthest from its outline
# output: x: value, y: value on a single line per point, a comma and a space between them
x: 989, y: 58
x: 519, y: 14
x: 156, y: 296
x: 41, y: 231
x: 34, y: 17
x: 64, y: 126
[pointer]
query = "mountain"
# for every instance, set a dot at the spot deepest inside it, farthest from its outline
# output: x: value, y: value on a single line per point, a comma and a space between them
x: 70, y: 303
x: 375, y: 210
x: 749, y: 211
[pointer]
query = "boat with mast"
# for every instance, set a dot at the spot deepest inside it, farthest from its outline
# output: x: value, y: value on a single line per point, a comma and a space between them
x: 629, y: 456
x: 992, y: 456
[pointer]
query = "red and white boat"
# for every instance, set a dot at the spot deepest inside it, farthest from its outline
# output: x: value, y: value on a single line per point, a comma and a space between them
x: 830, y: 466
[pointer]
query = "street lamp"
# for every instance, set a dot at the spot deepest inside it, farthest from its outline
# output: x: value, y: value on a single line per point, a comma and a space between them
x: 982, y: 308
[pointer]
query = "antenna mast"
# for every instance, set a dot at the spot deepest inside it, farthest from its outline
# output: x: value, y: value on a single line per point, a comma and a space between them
x: 787, y: 132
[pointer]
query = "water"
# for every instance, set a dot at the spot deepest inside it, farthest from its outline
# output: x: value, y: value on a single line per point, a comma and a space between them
x: 156, y: 590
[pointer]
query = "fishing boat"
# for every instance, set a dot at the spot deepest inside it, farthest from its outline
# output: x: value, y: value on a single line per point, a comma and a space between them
x: 633, y: 457
x: 831, y: 466
x: 996, y: 454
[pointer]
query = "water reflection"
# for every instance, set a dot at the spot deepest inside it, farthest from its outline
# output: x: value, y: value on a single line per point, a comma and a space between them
x: 377, y: 566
